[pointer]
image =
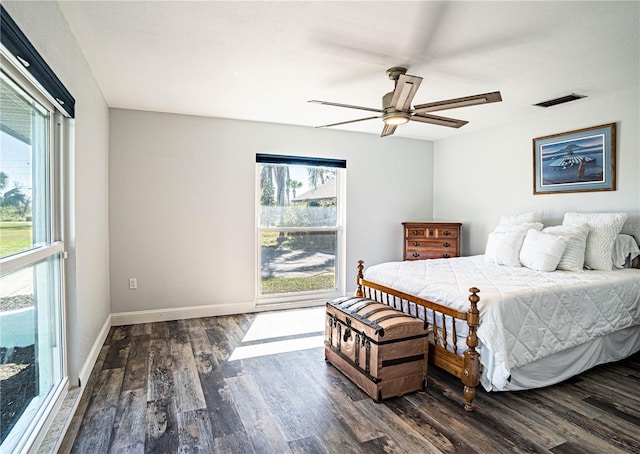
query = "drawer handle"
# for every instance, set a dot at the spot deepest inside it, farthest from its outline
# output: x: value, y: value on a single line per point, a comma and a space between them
x: 416, y: 232
x: 415, y: 254
x: 446, y: 256
x: 446, y: 233
x: 415, y: 243
x: 446, y: 244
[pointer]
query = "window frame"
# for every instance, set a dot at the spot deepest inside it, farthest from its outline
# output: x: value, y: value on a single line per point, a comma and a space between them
x: 312, y: 296
x: 36, y: 418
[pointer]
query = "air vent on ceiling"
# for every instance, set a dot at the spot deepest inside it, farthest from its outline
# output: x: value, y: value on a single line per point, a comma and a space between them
x: 561, y: 100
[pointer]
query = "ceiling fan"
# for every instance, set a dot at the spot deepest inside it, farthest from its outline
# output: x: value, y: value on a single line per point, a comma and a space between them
x: 396, y: 105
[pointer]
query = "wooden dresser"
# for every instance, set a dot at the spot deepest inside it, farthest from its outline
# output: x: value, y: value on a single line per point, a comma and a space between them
x: 431, y: 240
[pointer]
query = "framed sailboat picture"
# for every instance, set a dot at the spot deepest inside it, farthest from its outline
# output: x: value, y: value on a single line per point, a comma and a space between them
x: 575, y: 161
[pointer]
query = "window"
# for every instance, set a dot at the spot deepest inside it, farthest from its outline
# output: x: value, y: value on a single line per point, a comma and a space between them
x: 300, y: 228
x: 32, y: 355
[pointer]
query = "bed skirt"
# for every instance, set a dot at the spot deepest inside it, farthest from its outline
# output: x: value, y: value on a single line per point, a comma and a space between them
x: 563, y: 365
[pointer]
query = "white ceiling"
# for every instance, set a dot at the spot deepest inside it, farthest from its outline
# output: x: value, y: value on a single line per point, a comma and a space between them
x: 264, y: 60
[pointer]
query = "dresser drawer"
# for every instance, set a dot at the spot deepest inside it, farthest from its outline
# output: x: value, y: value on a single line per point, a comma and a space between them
x: 425, y: 254
x: 430, y: 249
x: 443, y: 233
x: 416, y: 232
x: 431, y: 245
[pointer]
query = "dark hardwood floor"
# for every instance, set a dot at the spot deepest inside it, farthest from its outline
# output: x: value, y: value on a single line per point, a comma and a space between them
x: 174, y: 387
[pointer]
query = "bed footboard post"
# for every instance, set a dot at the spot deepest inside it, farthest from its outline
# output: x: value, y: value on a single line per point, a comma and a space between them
x: 359, y: 291
x: 471, y: 365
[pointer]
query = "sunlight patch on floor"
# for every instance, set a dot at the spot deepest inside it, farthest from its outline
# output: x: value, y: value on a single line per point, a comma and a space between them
x: 268, y: 325
x: 271, y: 333
x: 273, y: 348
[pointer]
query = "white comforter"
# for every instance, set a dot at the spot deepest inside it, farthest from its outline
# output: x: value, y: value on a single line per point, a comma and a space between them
x: 525, y: 315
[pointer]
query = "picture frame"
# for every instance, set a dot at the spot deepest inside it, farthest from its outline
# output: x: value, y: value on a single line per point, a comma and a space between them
x: 583, y: 160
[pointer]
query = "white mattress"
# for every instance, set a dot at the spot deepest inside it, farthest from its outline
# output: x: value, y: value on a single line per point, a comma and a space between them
x: 525, y: 315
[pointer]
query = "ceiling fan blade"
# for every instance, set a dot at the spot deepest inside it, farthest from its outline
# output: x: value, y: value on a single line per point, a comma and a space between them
x: 327, y: 103
x: 406, y: 88
x: 440, y: 121
x: 388, y: 130
x: 346, y: 122
x: 458, y: 102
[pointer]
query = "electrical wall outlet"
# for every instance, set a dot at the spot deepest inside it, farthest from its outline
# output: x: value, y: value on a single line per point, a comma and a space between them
x: 133, y: 283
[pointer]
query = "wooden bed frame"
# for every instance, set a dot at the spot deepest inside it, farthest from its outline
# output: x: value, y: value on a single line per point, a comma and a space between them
x: 443, y: 353
x: 467, y: 367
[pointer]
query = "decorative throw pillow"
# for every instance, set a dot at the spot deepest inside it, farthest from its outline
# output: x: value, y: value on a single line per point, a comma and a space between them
x: 518, y: 227
x: 573, y: 257
x: 523, y: 218
x: 603, y: 229
x: 625, y: 249
x: 503, y: 248
x: 542, y: 251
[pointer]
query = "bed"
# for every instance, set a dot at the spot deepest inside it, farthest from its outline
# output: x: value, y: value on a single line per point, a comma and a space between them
x: 512, y: 326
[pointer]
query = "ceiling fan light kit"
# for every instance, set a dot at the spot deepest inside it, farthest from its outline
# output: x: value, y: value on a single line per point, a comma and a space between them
x: 395, y: 118
x: 396, y: 105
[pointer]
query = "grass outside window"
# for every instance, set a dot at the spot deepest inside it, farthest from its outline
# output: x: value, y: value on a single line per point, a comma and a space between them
x: 15, y: 237
x: 277, y: 285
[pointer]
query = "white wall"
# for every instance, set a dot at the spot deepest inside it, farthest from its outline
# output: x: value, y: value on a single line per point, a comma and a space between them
x: 481, y: 176
x: 88, y: 210
x: 182, y: 202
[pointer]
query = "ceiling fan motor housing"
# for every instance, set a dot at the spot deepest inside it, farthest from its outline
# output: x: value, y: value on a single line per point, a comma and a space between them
x: 386, y: 101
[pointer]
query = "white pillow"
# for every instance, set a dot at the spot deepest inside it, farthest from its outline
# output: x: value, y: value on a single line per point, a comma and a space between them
x: 503, y: 248
x: 523, y: 218
x: 518, y: 227
x: 625, y: 249
x: 542, y: 251
x: 573, y: 257
x: 603, y: 229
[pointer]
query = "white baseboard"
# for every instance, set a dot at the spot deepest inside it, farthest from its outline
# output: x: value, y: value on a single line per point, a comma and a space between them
x: 92, y: 357
x: 163, y: 315
x: 179, y: 313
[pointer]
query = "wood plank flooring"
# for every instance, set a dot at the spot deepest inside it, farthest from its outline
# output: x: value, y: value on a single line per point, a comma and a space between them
x: 177, y: 387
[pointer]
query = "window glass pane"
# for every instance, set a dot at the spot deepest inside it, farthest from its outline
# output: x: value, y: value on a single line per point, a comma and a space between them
x: 297, y: 196
x: 298, y: 228
x: 297, y: 261
x: 30, y: 343
x: 24, y: 170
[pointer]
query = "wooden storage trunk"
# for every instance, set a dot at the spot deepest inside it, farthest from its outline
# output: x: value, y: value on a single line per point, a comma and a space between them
x: 381, y: 349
